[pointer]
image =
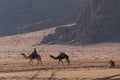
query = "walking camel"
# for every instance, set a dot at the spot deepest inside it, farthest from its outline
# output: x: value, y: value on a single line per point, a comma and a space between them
x: 60, y: 57
x: 33, y: 56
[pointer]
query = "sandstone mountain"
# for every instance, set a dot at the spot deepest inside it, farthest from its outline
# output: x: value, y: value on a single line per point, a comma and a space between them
x: 21, y: 16
x: 99, y: 21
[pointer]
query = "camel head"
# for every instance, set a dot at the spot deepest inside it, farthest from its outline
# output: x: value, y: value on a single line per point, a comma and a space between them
x: 23, y: 54
x: 50, y: 55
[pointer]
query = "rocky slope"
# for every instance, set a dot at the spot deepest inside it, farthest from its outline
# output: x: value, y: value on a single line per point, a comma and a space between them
x: 99, y: 21
x: 30, y: 15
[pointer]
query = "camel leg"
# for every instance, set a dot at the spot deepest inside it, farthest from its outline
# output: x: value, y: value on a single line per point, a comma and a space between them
x: 31, y: 61
x: 62, y: 62
x: 68, y: 60
x: 37, y: 61
x: 59, y: 61
x: 40, y: 60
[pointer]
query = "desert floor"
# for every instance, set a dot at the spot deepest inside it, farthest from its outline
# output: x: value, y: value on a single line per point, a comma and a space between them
x: 16, y: 69
x: 89, y: 62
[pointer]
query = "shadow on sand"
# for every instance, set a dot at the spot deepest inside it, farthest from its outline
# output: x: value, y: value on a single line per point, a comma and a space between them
x: 113, y: 77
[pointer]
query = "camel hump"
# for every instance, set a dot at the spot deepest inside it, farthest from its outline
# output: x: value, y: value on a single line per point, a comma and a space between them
x: 62, y: 54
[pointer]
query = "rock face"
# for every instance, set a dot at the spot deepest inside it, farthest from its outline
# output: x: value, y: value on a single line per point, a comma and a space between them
x: 62, y: 35
x: 20, y: 16
x: 99, y: 21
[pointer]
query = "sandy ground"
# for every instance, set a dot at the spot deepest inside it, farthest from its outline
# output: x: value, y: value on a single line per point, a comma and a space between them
x: 19, y: 69
x: 88, y: 62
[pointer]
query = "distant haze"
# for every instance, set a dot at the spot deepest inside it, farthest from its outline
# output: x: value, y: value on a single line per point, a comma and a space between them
x: 99, y: 21
x: 21, y: 16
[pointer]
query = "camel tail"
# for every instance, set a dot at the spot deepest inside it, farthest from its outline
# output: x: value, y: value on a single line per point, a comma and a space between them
x: 53, y: 57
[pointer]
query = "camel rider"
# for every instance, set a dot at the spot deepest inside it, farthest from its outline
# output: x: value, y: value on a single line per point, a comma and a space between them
x: 34, y: 53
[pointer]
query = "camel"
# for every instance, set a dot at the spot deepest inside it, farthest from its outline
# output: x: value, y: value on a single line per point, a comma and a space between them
x: 112, y: 64
x: 32, y: 57
x: 60, y: 57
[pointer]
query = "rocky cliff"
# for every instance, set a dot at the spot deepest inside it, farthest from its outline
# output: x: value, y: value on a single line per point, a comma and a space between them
x: 99, y: 21
x: 21, y: 16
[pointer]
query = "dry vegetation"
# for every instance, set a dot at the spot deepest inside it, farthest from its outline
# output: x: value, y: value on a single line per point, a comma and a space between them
x: 89, y: 62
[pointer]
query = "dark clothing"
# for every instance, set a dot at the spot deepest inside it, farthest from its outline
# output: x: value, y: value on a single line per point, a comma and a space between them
x: 34, y: 54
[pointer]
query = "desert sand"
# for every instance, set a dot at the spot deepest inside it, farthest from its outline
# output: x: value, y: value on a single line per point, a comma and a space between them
x: 88, y: 62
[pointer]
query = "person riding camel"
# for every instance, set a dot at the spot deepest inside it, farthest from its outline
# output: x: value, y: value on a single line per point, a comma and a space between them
x: 34, y: 53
